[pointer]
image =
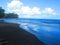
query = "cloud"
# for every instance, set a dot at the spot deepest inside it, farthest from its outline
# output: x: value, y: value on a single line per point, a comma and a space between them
x: 17, y: 7
x: 14, y: 4
x: 36, y: 10
x: 49, y: 11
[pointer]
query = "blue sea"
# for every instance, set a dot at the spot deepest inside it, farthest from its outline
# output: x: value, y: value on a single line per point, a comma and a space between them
x: 46, y: 30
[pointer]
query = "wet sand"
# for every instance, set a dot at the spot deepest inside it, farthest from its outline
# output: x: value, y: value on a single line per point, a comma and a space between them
x: 14, y: 35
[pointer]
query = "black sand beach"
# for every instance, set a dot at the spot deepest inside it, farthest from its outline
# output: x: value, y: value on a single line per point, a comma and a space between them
x: 14, y: 35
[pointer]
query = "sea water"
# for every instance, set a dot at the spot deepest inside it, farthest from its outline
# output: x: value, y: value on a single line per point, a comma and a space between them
x: 46, y: 30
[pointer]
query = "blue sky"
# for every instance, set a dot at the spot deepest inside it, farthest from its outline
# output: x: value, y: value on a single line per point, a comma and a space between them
x: 33, y: 8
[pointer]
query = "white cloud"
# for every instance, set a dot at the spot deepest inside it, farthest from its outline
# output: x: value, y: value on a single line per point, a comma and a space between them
x: 14, y: 4
x: 49, y: 11
x: 26, y: 10
x: 36, y: 10
x: 17, y: 7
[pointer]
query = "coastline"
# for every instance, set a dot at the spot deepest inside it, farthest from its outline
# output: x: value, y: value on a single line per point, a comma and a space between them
x: 16, y: 35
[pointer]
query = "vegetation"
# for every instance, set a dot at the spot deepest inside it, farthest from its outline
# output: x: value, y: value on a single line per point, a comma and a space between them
x: 5, y: 15
x: 2, y: 12
x: 11, y: 15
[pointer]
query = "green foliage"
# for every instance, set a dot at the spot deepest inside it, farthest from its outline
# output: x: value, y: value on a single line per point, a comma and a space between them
x: 2, y: 12
x: 11, y: 15
x: 5, y: 15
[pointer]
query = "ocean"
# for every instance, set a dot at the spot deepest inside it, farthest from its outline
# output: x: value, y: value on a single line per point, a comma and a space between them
x: 46, y: 30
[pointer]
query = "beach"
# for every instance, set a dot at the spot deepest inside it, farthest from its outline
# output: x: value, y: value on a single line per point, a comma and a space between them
x: 14, y: 35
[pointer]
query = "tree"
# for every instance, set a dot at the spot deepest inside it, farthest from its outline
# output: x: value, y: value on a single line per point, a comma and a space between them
x: 11, y: 15
x: 2, y: 12
x: 5, y: 15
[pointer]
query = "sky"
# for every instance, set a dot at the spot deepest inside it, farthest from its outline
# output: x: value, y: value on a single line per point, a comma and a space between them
x: 45, y: 9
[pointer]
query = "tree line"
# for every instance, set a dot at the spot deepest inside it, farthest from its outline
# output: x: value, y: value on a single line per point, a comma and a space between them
x: 7, y: 15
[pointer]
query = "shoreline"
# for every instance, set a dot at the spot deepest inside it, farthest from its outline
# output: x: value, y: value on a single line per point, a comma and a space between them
x: 16, y: 35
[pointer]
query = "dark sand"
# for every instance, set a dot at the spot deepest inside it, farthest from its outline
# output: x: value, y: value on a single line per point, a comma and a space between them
x: 14, y: 35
